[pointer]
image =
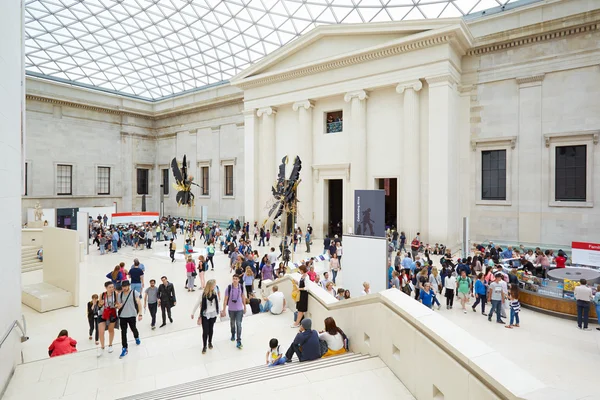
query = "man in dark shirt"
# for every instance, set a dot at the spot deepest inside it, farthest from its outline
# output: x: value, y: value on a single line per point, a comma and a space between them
x: 137, y: 277
x: 166, y: 299
x: 326, y: 243
x: 306, y: 343
x: 249, y: 262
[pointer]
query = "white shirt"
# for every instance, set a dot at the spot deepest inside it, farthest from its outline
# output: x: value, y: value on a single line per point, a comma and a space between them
x: 277, y: 302
x: 334, y: 342
x: 583, y: 293
x: 363, y: 293
x: 272, y: 258
x: 450, y: 283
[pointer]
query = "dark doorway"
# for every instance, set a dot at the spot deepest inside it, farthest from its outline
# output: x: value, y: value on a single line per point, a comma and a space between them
x: 390, y: 185
x: 335, y: 206
x: 66, y: 218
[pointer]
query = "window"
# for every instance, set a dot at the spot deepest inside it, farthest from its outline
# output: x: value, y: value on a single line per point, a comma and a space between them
x: 205, y: 179
x: 493, y: 175
x: 229, y: 180
x: 142, y: 180
x: 64, y: 179
x: 334, y: 121
x: 26, y: 178
x: 103, y: 180
x: 165, y: 181
x: 570, y: 173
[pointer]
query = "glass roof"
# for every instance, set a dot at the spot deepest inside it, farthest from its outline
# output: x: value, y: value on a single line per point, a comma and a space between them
x: 152, y: 49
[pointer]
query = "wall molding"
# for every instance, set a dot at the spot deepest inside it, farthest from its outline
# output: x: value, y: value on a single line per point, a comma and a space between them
x: 530, y: 79
x: 570, y: 136
x: 535, y: 38
x: 495, y: 141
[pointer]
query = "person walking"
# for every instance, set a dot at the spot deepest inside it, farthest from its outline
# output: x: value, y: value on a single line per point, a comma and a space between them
x: 115, y: 241
x: 515, y: 307
x: 166, y: 299
x: 583, y: 295
x: 450, y: 285
x: 172, y: 248
x: 151, y: 301
x: 92, y: 314
x: 308, y: 242
x: 480, y: 293
x: 463, y: 287
x: 209, y: 310
x: 136, y: 274
x: 128, y: 309
x: 402, y: 242
x: 108, y: 316
x: 334, y: 266
x: 190, y: 269
x: 235, y: 304
x: 496, y: 295
x: 210, y: 253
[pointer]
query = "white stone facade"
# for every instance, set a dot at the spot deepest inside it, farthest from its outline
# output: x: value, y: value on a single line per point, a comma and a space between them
x: 421, y: 100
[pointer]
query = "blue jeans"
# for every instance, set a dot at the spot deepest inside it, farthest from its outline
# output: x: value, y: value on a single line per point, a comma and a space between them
x: 266, y: 307
x: 598, y: 312
x: 334, y: 273
x: 115, y: 245
x: 102, y: 249
x: 497, y: 308
x: 281, y: 361
x: 395, y: 244
x: 514, y: 317
x: 235, y: 322
x: 137, y: 287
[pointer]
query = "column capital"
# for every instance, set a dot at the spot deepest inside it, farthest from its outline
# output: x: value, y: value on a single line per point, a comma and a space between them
x: 358, y: 94
x: 415, y: 85
x: 266, y: 110
x: 307, y: 104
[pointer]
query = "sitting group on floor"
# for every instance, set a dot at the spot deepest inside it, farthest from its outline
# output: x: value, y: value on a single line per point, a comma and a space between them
x: 309, y: 344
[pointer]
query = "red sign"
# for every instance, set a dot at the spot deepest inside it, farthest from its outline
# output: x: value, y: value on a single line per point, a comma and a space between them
x: 586, y: 246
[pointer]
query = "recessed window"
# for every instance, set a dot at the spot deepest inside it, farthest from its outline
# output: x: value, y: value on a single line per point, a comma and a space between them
x: 142, y: 180
x: 165, y: 181
x: 334, y: 121
x: 103, y: 180
x: 570, y: 173
x: 205, y: 181
x: 64, y: 179
x: 493, y: 175
x: 229, y: 180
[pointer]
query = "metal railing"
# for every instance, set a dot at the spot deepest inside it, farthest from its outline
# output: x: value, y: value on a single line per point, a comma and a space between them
x: 22, y: 325
x: 334, y: 127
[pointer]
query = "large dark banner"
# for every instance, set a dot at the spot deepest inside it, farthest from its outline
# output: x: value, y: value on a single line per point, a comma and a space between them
x: 369, y: 213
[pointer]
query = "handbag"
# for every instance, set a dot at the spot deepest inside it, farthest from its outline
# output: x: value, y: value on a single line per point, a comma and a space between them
x: 295, y: 292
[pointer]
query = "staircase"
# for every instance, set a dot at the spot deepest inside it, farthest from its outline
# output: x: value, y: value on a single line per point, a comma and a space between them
x: 244, y: 377
x: 29, y: 260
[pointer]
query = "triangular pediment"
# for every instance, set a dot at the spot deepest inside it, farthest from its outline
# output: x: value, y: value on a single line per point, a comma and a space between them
x: 327, y: 43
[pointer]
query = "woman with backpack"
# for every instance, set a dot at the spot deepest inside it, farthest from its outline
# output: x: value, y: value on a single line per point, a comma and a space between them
x: 210, y: 253
x: 334, y: 337
x: 108, y: 316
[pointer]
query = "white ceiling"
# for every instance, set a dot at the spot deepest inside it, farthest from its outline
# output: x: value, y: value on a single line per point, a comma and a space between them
x: 157, y: 48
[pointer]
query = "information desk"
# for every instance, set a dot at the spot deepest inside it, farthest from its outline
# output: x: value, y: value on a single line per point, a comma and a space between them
x: 552, y: 297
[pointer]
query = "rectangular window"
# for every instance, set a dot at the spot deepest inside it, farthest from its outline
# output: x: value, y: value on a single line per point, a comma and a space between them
x: 64, y: 179
x: 103, y: 180
x: 205, y: 180
x: 570, y: 173
x: 229, y: 180
x: 493, y: 175
x: 334, y: 121
x: 165, y: 181
x: 26, y: 177
x: 142, y: 180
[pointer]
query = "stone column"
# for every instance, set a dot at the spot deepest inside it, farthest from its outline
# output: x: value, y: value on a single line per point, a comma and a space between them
x: 250, y: 165
x: 357, y: 125
x: 409, y: 218
x: 444, y: 210
x: 267, y: 163
x: 305, y: 151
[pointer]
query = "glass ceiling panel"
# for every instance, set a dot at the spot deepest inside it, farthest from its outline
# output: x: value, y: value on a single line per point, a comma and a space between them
x: 157, y: 48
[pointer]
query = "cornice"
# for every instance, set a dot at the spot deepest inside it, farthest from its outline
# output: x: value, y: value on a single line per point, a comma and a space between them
x: 72, y: 104
x: 154, y: 116
x: 534, y: 38
x: 530, y: 79
x: 376, y: 54
x: 441, y: 79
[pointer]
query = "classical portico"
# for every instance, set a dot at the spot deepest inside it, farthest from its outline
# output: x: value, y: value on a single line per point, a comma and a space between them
x: 382, y: 83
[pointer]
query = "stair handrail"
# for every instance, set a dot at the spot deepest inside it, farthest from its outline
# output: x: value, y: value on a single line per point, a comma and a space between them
x: 16, y: 324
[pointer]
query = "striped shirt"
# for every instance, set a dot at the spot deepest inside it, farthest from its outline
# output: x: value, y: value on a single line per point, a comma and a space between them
x: 515, y: 305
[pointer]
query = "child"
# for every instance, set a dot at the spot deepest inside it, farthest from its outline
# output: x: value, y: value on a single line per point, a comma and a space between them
x: 249, y: 280
x: 92, y: 314
x: 427, y: 295
x: 274, y: 357
x: 340, y: 294
x: 515, y: 307
x: 63, y: 344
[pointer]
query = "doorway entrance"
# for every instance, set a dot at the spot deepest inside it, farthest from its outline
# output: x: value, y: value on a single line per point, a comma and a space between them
x: 335, y: 206
x: 390, y: 185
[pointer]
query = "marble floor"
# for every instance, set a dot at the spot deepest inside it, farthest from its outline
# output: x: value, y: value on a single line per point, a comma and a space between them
x: 552, y: 349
